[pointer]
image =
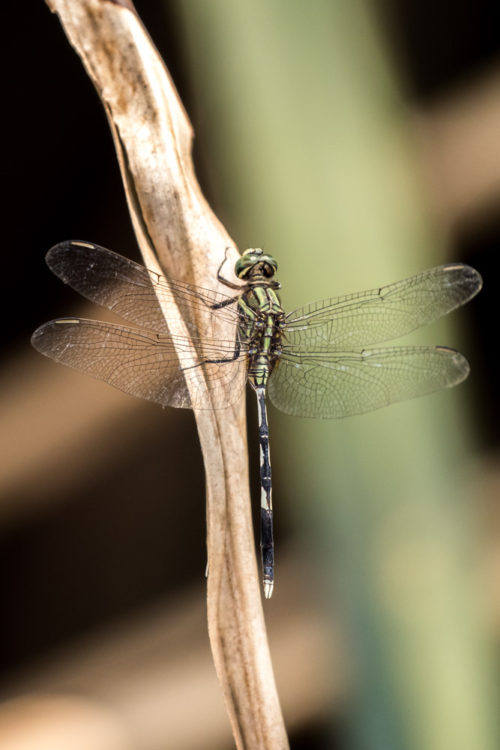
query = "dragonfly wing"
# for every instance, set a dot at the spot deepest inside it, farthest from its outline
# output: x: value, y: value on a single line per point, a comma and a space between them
x: 145, y: 364
x: 129, y: 289
x: 331, y: 386
x: 385, y: 313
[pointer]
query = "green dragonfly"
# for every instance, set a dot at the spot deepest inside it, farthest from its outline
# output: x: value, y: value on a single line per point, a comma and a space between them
x: 311, y: 362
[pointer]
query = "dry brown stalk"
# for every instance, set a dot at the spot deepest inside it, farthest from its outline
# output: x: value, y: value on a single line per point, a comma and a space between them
x: 179, y: 235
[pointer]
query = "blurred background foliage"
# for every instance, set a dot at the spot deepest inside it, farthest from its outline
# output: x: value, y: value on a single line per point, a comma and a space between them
x: 357, y: 142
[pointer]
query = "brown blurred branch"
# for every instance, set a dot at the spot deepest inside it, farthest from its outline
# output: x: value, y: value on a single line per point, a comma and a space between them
x: 178, y: 234
x: 459, y: 141
x: 152, y: 673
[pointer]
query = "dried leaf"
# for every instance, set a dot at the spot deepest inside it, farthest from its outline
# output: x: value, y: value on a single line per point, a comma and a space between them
x: 179, y: 235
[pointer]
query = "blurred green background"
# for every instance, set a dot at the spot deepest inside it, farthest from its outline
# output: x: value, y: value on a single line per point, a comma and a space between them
x: 356, y: 142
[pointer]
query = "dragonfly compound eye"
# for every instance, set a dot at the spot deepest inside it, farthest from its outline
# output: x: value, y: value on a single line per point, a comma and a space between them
x: 255, y: 261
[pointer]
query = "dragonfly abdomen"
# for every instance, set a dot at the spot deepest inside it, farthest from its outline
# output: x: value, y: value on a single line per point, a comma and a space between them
x: 266, y: 504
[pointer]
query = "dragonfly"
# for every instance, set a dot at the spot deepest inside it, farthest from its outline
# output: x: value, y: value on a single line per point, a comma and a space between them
x: 317, y: 361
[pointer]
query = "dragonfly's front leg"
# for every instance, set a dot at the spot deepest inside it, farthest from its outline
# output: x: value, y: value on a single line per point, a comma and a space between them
x: 221, y: 278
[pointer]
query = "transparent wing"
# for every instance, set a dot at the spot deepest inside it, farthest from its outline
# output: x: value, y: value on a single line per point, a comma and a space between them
x: 371, y: 317
x: 130, y: 290
x: 146, y: 364
x: 329, y: 385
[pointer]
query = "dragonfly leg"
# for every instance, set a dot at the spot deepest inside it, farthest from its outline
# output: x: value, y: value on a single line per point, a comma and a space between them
x: 226, y: 302
x: 236, y: 354
x: 221, y: 278
x: 266, y: 505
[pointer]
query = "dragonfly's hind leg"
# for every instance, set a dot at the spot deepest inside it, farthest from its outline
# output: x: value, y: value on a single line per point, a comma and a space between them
x: 266, y: 505
x: 233, y: 358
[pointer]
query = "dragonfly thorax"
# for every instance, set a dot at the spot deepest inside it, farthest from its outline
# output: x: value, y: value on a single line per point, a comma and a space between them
x: 262, y: 323
x: 255, y: 264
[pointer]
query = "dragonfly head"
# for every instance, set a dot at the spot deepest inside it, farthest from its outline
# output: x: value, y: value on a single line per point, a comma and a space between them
x: 255, y: 262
